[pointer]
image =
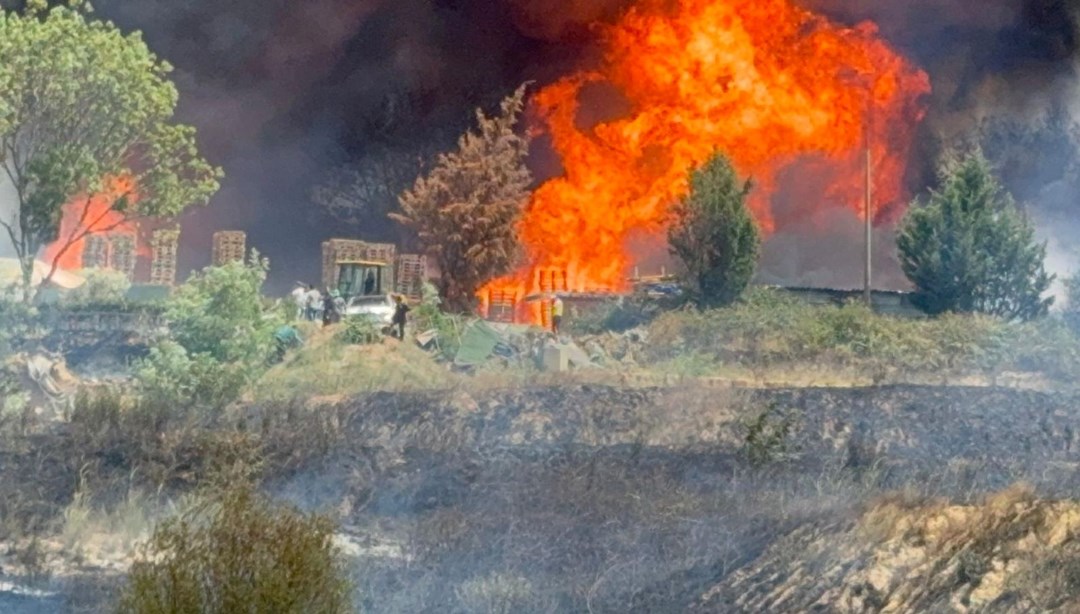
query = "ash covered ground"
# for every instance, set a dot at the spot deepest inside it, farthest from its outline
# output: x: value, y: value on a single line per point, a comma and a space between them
x: 591, y: 497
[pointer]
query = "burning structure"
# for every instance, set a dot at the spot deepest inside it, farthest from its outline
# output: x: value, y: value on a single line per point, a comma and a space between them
x: 774, y: 86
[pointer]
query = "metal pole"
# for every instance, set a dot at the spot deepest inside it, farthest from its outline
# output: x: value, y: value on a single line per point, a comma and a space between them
x: 868, y: 223
x: 869, y: 228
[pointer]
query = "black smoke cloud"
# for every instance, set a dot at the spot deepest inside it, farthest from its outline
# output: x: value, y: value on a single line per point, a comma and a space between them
x: 283, y: 91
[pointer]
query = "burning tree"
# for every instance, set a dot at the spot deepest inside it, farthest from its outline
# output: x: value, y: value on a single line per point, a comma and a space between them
x: 970, y: 249
x: 466, y: 209
x: 86, y: 133
x: 714, y: 234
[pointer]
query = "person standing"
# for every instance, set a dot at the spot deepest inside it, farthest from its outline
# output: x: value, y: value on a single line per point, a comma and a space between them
x: 329, y: 310
x: 299, y: 298
x: 401, y: 308
x: 314, y: 302
x: 556, y: 314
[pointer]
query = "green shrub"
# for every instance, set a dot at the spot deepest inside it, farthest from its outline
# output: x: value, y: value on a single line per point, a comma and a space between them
x: 360, y: 330
x: 237, y: 552
x: 171, y: 377
x: 772, y: 328
x: 220, y: 312
x: 102, y: 288
x: 428, y: 315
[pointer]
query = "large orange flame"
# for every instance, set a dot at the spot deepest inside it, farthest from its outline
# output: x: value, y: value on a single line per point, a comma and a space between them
x: 770, y: 84
x: 86, y: 215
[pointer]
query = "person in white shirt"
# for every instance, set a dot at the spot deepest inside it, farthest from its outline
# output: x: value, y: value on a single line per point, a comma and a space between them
x: 299, y: 298
x: 314, y: 303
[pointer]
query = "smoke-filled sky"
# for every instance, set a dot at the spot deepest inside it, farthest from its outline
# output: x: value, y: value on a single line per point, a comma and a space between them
x: 284, y: 91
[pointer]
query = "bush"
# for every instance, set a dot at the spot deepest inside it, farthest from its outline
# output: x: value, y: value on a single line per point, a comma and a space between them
x: 769, y: 328
x: 220, y: 312
x: 236, y: 552
x: 360, y: 330
x: 428, y: 315
x: 221, y: 335
x: 171, y: 377
x: 102, y: 288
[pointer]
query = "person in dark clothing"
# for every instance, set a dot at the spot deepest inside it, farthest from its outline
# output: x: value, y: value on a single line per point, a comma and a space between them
x: 330, y: 313
x: 400, y: 309
x: 369, y: 284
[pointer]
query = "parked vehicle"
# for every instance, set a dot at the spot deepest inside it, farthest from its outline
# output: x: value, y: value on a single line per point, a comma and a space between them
x: 379, y: 308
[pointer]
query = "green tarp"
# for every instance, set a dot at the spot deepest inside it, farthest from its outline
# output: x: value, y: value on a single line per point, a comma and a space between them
x: 477, y: 344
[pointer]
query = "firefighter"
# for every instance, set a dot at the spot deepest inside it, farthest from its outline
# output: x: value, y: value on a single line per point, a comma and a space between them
x: 556, y: 314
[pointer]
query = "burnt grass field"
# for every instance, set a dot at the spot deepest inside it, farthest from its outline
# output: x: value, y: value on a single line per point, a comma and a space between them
x: 583, y: 498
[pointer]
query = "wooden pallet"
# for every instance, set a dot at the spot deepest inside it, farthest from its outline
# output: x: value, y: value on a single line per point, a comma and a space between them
x: 229, y: 246
x: 163, y: 248
x: 410, y: 273
x: 339, y: 250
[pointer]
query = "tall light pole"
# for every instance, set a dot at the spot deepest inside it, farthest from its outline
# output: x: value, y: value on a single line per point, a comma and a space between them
x: 868, y: 204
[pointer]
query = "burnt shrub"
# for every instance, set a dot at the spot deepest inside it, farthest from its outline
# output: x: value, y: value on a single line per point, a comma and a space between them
x: 237, y: 552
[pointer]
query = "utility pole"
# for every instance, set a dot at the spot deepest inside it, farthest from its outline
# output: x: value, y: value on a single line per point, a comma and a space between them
x: 869, y: 210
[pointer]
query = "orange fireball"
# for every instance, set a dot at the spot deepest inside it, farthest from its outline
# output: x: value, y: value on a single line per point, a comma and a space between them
x: 769, y: 84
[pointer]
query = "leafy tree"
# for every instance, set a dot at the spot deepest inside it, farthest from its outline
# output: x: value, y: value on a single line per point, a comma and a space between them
x: 466, y: 209
x: 714, y: 235
x: 970, y: 249
x: 83, y: 106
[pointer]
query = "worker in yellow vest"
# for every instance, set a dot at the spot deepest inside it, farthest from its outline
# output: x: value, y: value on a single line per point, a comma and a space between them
x: 556, y: 314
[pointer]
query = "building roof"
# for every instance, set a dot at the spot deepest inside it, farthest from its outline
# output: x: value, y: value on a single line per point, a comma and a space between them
x: 11, y: 274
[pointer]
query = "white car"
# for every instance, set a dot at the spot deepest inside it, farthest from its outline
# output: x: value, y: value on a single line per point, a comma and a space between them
x: 379, y: 308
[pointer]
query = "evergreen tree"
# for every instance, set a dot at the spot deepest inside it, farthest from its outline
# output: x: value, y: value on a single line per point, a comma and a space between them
x: 466, y: 209
x: 970, y: 249
x: 714, y: 234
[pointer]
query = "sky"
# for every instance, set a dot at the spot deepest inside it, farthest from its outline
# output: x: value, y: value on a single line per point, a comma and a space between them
x: 283, y: 93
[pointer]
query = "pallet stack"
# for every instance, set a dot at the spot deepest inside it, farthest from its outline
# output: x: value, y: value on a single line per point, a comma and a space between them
x: 163, y: 247
x: 410, y: 274
x: 112, y: 251
x: 549, y: 281
x: 95, y: 252
x: 229, y: 246
x: 502, y: 306
x: 340, y: 250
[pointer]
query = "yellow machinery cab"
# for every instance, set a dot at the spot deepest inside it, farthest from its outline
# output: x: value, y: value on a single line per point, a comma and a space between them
x: 362, y: 278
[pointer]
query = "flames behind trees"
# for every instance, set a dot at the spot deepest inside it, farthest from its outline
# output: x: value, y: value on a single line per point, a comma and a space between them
x: 87, y: 215
x: 766, y: 82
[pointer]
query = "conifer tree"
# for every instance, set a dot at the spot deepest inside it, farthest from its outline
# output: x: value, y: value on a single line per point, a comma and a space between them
x: 465, y: 211
x: 970, y: 249
x: 714, y: 234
